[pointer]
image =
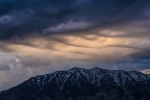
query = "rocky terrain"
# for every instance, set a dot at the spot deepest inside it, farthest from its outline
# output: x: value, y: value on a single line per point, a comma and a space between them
x: 83, y: 84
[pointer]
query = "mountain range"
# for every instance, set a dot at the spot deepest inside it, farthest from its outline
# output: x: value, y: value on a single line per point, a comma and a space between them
x: 83, y: 84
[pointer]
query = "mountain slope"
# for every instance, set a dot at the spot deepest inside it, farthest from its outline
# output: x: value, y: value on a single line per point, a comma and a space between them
x: 83, y: 84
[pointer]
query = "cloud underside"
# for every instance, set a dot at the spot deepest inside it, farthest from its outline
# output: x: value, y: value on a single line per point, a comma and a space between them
x: 117, y: 34
x: 38, y: 37
x: 119, y: 44
x: 30, y: 18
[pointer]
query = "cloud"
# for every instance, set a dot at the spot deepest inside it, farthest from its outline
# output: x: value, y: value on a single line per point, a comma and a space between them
x: 70, y: 26
x: 39, y: 37
x: 30, y: 18
x: 28, y: 67
x: 8, y: 61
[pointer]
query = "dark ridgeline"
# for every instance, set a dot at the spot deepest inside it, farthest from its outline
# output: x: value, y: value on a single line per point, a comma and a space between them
x: 83, y: 84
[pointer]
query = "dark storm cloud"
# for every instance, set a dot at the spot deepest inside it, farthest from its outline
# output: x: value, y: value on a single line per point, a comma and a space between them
x: 23, y: 18
x: 110, y: 34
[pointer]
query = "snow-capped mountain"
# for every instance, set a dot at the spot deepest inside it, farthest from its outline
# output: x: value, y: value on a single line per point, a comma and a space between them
x: 83, y: 84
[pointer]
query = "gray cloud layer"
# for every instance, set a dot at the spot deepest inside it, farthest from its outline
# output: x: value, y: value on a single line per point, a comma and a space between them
x: 27, y: 18
x: 42, y: 36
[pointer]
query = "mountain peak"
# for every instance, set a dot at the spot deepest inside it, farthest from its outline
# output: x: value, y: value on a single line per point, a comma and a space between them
x: 82, y: 83
x: 75, y: 68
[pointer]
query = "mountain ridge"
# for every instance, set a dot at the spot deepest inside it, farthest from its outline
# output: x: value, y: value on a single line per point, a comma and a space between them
x: 82, y: 84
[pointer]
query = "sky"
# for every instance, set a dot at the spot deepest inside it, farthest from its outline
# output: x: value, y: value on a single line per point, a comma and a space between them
x: 39, y: 37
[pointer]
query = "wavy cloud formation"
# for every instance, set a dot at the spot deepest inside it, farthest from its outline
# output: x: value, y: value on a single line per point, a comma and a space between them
x: 39, y: 37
